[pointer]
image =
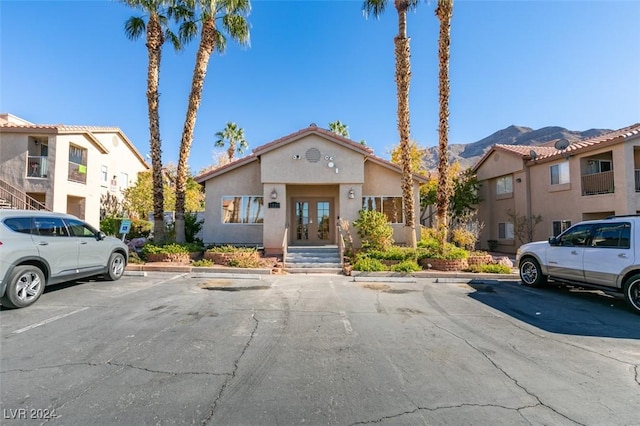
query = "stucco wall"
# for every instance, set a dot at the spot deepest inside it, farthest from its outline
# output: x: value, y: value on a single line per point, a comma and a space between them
x: 280, y: 165
x: 58, y: 190
x: 244, y: 180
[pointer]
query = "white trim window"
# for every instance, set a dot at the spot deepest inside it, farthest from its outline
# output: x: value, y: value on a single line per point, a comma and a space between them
x: 242, y: 209
x: 104, y: 175
x: 559, y: 173
x: 505, y: 230
x: 124, y: 180
x: 504, y: 185
x: 559, y: 226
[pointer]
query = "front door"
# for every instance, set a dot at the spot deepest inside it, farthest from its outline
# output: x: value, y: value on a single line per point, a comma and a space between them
x: 312, y: 222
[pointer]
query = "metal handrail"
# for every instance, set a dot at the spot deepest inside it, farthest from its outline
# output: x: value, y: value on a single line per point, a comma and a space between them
x: 18, y: 199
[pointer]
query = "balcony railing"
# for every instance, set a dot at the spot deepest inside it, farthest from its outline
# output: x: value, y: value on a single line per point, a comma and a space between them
x: 77, y: 172
x: 37, y: 167
x: 637, y: 180
x: 13, y: 198
x: 598, y: 183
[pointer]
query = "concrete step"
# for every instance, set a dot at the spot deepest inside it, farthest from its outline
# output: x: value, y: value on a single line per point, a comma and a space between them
x: 335, y: 271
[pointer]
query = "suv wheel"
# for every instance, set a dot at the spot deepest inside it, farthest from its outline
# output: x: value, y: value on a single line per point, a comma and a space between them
x: 25, y: 285
x: 115, y: 267
x: 632, y: 292
x: 531, y: 273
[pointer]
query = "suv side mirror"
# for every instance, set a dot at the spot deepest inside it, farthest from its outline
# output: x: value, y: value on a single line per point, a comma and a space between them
x: 100, y: 236
x: 553, y: 241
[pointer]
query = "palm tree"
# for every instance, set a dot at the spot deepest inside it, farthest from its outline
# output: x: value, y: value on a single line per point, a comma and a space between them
x: 403, y: 77
x: 339, y: 128
x: 234, y: 135
x: 444, y: 10
x: 231, y: 15
x: 159, y: 14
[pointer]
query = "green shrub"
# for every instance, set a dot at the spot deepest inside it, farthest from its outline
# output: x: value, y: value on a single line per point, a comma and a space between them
x: 393, y: 253
x: 464, y: 238
x: 202, y: 262
x: 367, y: 264
x: 492, y: 269
x: 139, y: 229
x: 134, y: 258
x: 191, y: 227
x: 174, y: 248
x: 406, y: 266
x: 449, y: 252
x: 110, y: 225
x: 374, y: 230
x: 245, y: 260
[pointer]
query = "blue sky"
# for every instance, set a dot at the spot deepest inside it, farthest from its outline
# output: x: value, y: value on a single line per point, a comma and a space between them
x: 531, y: 63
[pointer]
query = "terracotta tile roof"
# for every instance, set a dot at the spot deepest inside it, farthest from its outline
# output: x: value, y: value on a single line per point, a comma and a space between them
x: 10, y: 123
x: 309, y: 130
x: 548, y: 152
x: 312, y: 129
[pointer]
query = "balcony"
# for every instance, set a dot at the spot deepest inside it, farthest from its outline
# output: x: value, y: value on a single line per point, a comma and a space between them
x: 77, y: 172
x: 37, y: 167
x: 599, y: 183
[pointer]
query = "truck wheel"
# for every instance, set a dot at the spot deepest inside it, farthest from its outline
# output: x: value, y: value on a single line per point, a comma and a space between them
x: 632, y: 292
x: 531, y: 273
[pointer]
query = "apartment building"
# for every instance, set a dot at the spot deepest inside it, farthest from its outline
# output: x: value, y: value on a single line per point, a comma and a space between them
x: 559, y: 182
x: 64, y: 168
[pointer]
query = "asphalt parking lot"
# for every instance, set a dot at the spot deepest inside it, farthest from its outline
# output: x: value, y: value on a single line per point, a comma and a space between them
x: 186, y: 348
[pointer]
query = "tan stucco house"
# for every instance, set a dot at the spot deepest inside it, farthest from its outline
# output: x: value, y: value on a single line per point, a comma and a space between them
x: 65, y: 168
x: 589, y: 179
x: 293, y: 191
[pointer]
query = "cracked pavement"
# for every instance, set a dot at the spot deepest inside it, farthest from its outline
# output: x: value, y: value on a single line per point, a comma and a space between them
x: 318, y: 349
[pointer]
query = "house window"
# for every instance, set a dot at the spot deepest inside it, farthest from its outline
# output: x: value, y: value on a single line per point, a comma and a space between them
x: 559, y: 173
x: 104, y: 173
x: 242, y: 209
x: 390, y: 206
x: 77, y: 164
x: 124, y: 180
x: 559, y: 226
x: 504, y: 185
x: 599, y: 166
x: 505, y: 230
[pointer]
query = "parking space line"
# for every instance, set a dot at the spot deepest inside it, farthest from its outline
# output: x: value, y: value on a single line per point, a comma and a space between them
x: 47, y: 321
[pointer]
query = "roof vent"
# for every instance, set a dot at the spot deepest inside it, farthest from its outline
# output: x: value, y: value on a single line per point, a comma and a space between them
x: 313, y: 155
x: 313, y: 125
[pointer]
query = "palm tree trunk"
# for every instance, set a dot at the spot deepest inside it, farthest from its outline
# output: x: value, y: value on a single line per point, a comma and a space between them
x: 444, y: 11
x: 207, y: 44
x: 403, y: 77
x: 155, y: 39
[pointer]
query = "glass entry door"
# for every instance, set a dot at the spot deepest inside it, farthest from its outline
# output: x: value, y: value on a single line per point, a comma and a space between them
x: 312, y: 222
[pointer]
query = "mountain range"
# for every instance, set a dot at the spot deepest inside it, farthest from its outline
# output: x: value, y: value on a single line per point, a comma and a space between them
x: 468, y: 154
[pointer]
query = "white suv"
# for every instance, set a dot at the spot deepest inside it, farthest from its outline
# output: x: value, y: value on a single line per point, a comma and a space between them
x: 597, y: 253
x: 39, y: 248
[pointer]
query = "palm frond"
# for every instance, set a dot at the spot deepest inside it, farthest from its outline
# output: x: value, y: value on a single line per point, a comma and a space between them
x: 374, y: 7
x: 237, y: 27
x: 134, y: 27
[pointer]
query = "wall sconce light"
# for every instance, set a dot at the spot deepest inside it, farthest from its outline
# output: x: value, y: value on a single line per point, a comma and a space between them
x: 518, y: 180
x: 352, y: 194
x: 274, y: 194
